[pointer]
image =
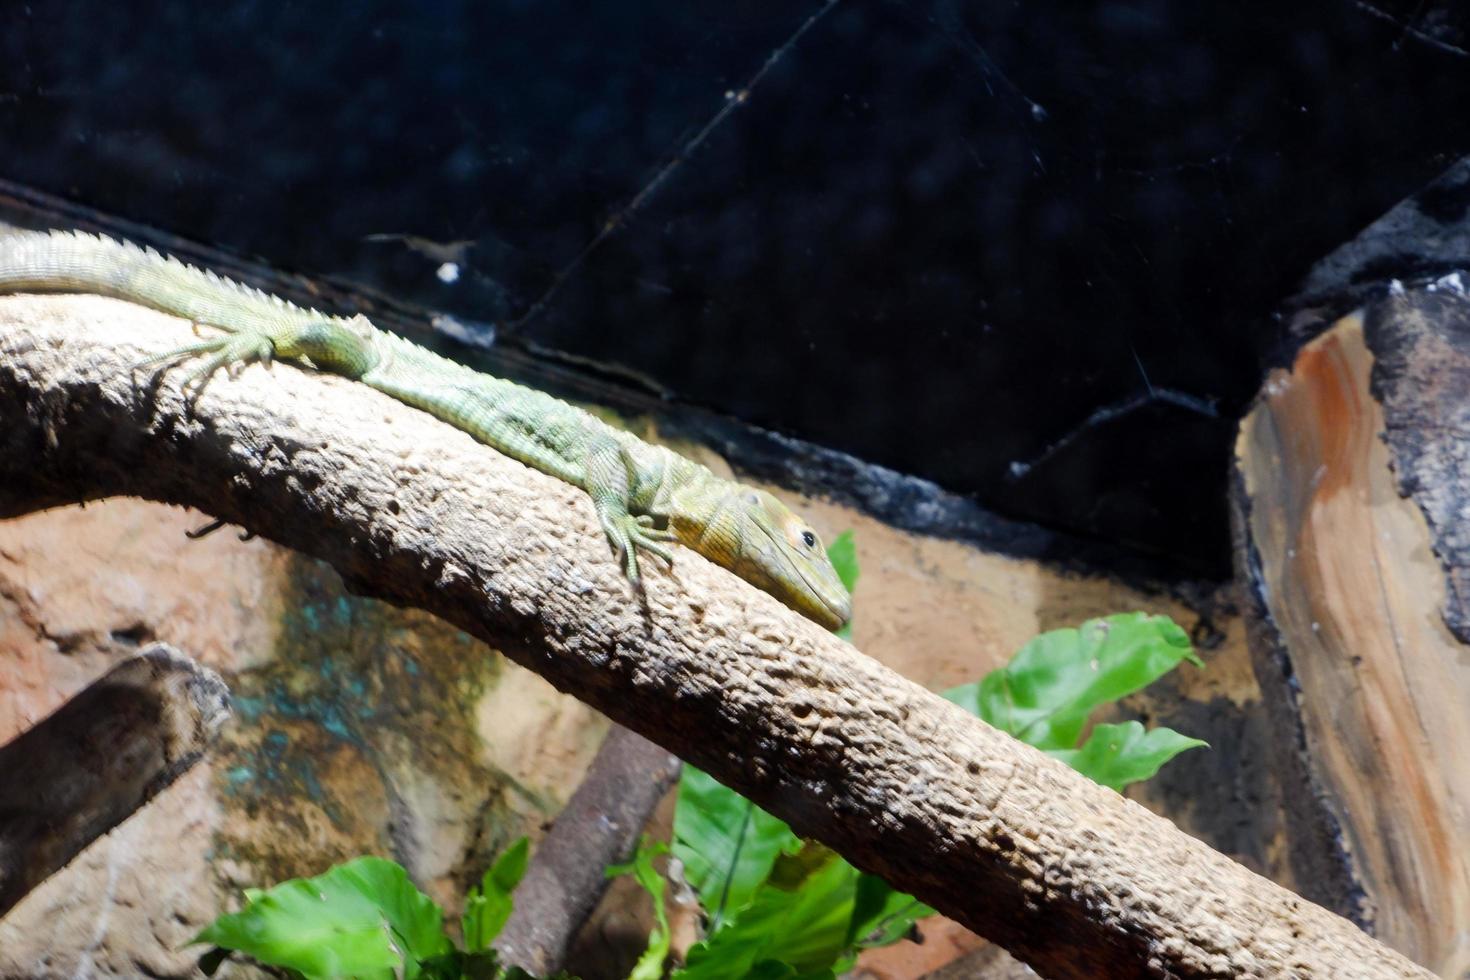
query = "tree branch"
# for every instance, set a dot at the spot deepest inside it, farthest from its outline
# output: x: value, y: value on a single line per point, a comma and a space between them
x: 88, y: 766
x: 599, y: 826
x: 1071, y: 877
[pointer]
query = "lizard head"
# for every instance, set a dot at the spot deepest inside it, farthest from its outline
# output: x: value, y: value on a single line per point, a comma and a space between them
x: 758, y: 538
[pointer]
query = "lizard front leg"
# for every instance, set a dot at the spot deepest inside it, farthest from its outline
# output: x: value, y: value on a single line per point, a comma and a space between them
x: 609, y: 477
x: 341, y: 346
x: 229, y: 350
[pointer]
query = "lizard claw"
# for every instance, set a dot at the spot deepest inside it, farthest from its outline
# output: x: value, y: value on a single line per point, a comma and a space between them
x: 649, y: 542
x: 628, y: 534
x: 232, y: 351
x: 648, y: 532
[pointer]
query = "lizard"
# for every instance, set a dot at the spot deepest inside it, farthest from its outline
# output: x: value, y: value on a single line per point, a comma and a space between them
x: 644, y: 495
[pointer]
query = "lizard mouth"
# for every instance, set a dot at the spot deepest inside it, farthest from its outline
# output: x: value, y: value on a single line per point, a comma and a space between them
x: 841, y: 610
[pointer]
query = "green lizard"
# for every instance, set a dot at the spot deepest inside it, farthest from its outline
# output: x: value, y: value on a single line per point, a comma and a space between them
x: 644, y: 494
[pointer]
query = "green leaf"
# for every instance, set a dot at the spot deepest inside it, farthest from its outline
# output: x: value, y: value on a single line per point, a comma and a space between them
x: 363, y: 918
x: 510, y: 867
x: 1045, y: 694
x: 842, y: 553
x: 882, y: 915
x: 488, y: 906
x: 650, y: 965
x: 801, y: 923
x: 726, y: 843
x: 1116, y: 755
x: 793, y: 869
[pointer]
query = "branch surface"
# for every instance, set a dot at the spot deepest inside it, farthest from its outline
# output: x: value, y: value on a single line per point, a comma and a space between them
x: 1070, y: 877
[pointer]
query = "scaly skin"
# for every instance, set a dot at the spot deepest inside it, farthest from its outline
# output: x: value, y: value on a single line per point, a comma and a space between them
x: 643, y: 494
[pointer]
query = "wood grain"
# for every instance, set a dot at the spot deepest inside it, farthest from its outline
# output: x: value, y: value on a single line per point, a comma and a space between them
x: 1368, y: 685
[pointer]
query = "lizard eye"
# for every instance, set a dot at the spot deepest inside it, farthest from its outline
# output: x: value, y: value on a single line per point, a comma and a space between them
x: 752, y: 499
x: 809, y: 539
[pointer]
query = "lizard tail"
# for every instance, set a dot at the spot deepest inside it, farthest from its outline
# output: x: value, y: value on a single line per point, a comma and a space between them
x: 78, y: 262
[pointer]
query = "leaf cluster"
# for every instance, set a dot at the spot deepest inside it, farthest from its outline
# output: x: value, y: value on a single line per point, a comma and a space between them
x: 777, y: 906
x: 366, y: 919
x: 1049, y: 691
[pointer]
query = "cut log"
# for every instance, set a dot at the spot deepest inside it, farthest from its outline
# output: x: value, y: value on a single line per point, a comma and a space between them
x: 1071, y: 877
x: 1352, y: 593
x: 84, y: 769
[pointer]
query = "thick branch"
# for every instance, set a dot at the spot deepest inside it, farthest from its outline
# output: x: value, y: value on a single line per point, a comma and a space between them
x: 1069, y: 876
x: 78, y: 773
x: 599, y: 826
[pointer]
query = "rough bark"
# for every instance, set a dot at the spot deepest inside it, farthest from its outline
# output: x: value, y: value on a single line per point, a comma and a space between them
x: 1420, y: 341
x: 1072, y: 878
x: 78, y: 773
x: 599, y: 826
x: 1351, y: 590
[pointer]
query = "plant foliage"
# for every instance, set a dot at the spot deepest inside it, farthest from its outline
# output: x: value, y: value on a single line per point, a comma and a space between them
x: 795, y: 925
x: 366, y: 919
x: 1048, y: 692
x: 488, y: 906
x: 726, y: 843
x: 361, y: 919
x: 842, y: 552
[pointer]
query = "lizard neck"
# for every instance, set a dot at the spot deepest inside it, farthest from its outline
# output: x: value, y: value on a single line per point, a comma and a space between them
x: 705, y: 516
